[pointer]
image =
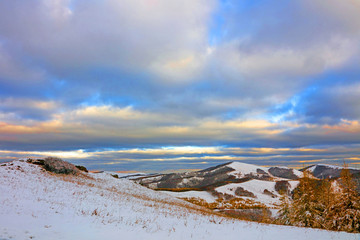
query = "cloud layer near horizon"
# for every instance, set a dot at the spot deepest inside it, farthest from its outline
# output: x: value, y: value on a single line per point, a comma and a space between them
x: 98, y: 75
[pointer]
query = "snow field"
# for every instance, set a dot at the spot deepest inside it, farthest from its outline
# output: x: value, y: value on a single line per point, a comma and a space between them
x: 257, y: 187
x: 39, y: 205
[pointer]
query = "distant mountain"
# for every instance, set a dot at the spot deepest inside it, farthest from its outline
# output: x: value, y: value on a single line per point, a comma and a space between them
x: 227, y: 181
x: 324, y: 171
x: 231, y: 180
x: 207, y: 179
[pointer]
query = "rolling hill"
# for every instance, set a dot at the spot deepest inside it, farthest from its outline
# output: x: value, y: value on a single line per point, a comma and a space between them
x: 38, y: 204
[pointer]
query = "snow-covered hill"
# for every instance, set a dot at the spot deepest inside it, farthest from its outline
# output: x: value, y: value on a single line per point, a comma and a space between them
x: 236, y: 179
x: 250, y: 170
x: 219, y: 175
x: 36, y: 204
x: 261, y: 191
x: 323, y: 171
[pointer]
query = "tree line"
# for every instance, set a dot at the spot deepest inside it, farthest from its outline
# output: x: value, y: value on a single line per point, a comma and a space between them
x: 327, y: 204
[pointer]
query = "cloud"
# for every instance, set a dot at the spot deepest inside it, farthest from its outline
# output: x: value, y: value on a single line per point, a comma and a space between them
x: 273, y: 51
x: 28, y: 108
x: 170, y: 158
x: 345, y: 126
x: 332, y: 104
x: 157, y: 54
x: 80, y: 74
x: 14, y: 70
x: 71, y: 36
x: 345, y: 13
x: 105, y: 126
x: 265, y: 72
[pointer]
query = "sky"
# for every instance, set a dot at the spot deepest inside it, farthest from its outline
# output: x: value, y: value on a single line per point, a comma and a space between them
x: 159, y: 85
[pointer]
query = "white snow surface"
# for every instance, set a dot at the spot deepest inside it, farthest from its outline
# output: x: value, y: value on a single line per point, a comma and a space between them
x: 257, y: 187
x: 208, y: 197
x: 293, y: 184
x: 245, y: 168
x: 242, y: 169
x: 39, y: 205
x: 298, y: 173
x: 311, y: 169
x: 189, y: 180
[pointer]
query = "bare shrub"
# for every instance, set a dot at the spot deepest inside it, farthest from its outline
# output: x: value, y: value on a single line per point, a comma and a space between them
x: 56, y: 165
x: 282, y: 187
x: 243, y: 193
x: 81, y: 168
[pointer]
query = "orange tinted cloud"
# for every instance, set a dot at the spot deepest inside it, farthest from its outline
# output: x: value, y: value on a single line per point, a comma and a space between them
x: 346, y: 126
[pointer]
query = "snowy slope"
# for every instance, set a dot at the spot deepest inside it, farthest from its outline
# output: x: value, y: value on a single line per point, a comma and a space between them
x: 312, y: 168
x: 329, y: 171
x: 39, y: 205
x: 258, y: 188
x: 218, y: 175
x: 259, y: 182
x: 208, y: 197
x: 243, y: 169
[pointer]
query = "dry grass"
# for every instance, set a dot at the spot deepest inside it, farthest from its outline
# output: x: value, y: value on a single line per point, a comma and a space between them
x: 178, y: 189
x: 257, y: 212
x: 234, y: 203
x: 173, y: 207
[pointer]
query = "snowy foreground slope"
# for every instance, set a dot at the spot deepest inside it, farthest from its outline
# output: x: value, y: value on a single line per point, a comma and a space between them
x: 35, y: 204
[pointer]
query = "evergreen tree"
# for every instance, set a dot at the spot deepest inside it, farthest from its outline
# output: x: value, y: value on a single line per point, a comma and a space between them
x: 285, y: 212
x: 309, y: 201
x: 315, y: 204
x: 326, y: 193
x: 306, y: 210
x: 344, y: 213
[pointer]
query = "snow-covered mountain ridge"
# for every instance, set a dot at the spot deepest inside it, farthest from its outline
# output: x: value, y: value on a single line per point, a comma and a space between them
x: 219, y: 175
x: 36, y: 204
x: 229, y: 180
x: 263, y: 185
x: 323, y: 171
